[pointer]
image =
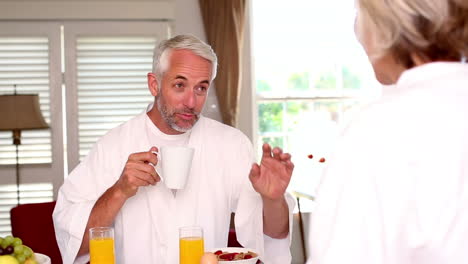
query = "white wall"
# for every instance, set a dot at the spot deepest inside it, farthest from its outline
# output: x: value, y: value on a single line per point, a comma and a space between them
x: 82, y: 9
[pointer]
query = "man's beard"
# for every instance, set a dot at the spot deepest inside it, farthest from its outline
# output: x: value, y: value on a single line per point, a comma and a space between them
x: 169, y: 115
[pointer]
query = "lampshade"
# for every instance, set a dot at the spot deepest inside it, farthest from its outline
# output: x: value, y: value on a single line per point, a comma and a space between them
x: 21, y: 112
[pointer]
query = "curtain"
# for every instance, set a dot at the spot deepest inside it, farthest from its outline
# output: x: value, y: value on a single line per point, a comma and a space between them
x: 224, y: 26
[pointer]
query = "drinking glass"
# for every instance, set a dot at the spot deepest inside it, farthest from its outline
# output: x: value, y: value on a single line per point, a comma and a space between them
x: 101, y: 245
x: 191, y: 247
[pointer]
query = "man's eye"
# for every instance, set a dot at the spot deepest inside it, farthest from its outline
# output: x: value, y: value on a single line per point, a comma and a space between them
x: 202, y: 89
x: 179, y: 85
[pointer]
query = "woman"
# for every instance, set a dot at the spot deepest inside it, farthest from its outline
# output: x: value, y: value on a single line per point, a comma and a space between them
x: 396, y: 190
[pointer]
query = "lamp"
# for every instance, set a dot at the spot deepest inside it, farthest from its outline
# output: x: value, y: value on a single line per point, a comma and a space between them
x: 20, y: 112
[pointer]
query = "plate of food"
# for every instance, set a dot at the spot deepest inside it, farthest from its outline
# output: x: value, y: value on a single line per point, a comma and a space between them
x: 235, y: 255
x: 42, y: 259
x: 13, y: 251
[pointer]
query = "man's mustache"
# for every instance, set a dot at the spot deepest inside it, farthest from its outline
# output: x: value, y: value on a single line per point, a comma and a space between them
x: 187, y: 111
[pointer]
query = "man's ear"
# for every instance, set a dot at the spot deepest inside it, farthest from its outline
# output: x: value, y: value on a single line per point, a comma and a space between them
x: 152, y: 84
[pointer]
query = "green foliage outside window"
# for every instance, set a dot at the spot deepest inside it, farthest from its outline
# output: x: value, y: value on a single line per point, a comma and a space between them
x: 332, y: 107
x: 270, y: 114
x: 263, y: 86
x: 270, y: 117
x: 294, y: 109
x: 273, y: 141
x: 326, y: 81
x: 350, y: 80
x: 298, y: 81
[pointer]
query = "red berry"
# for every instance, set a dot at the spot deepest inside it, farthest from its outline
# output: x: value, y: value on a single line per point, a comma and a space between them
x: 218, y: 252
x: 310, y: 156
x: 228, y: 256
x: 247, y: 256
x: 322, y: 160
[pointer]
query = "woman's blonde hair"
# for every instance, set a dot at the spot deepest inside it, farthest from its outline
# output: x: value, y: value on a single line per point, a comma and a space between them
x: 436, y: 30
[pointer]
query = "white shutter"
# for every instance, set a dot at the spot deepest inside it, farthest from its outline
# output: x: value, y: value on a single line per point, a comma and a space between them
x: 24, y: 62
x: 106, y: 68
x: 111, y: 83
x: 30, y: 59
x: 29, y: 193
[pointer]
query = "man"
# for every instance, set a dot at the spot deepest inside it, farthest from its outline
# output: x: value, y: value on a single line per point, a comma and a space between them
x: 116, y: 185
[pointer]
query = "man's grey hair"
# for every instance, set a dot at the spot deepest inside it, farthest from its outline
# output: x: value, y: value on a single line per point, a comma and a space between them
x: 181, y: 42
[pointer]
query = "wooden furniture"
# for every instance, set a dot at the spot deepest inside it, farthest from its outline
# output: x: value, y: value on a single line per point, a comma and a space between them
x: 298, y: 196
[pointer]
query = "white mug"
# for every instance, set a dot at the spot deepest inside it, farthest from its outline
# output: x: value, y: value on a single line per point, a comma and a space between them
x: 174, y: 163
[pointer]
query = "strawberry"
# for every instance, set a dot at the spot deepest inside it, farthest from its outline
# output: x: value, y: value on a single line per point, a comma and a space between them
x: 228, y: 256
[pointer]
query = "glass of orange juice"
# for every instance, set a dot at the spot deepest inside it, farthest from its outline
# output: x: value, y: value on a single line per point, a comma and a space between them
x: 191, y: 247
x: 101, y: 245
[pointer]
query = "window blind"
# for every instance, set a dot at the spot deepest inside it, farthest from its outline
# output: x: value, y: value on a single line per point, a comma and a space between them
x: 29, y: 193
x: 24, y: 63
x: 111, y: 83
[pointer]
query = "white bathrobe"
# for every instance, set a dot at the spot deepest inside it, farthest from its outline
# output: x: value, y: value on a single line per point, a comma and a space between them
x: 146, y: 228
x: 396, y: 192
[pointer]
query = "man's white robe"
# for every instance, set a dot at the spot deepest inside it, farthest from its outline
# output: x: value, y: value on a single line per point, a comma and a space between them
x: 146, y: 228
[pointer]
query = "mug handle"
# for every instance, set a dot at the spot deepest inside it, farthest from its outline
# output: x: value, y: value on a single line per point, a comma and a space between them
x: 158, y: 167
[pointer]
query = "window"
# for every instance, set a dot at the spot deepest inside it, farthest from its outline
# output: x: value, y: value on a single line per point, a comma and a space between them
x: 30, y: 63
x: 24, y: 69
x: 310, y: 74
x: 111, y: 83
x: 29, y: 193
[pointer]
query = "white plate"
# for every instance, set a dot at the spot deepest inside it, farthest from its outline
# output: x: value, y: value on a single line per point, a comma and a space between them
x: 42, y: 259
x: 237, y: 249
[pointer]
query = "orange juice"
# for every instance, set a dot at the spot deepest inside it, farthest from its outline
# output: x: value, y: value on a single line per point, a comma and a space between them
x: 191, y: 250
x: 101, y: 251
